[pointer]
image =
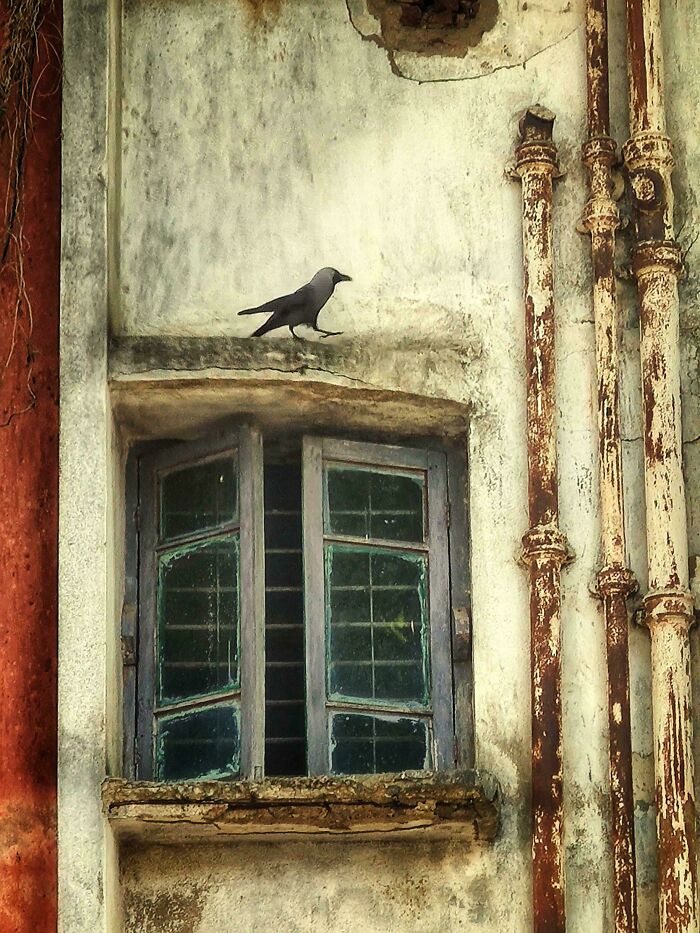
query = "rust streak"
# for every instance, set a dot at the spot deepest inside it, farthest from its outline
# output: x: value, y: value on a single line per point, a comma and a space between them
x: 615, y: 582
x: 668, y: 605
x: 544, y: 547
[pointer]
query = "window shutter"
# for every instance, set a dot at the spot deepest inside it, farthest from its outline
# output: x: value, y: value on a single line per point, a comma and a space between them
x: 201, y: 621
x: 377, y: 590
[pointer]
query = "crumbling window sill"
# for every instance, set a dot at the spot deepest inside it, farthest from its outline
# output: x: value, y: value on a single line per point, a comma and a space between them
x: 461, y: 805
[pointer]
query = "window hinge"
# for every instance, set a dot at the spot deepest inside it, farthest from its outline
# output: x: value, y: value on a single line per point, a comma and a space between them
x: 462, y: 627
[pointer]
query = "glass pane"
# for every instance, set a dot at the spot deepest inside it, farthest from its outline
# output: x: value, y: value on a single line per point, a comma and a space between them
x: 374, y: 504
x: 377, y: 625
x: 364, y: 744
x: 198, y: 619
x: 204, y: 743
x: 198, y: 497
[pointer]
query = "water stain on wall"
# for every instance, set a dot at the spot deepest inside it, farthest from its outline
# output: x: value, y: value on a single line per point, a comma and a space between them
x: 178, y: 910
x: 262, y: 9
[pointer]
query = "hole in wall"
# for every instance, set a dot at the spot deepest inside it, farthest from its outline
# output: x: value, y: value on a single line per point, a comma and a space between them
x: 433, y: 27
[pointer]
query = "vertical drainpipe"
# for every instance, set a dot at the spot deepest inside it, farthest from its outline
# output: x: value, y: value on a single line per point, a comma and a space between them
x: 544, y: 546
x: 29, y: 517
x: 614, y: 580
x: 668, y: 606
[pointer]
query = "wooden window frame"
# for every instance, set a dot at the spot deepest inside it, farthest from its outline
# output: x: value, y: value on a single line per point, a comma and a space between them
x: 247, y: 443
x: 320, y: 707
x: 455, y: 749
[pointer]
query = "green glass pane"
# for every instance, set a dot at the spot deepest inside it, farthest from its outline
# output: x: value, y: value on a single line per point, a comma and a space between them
x: 350, y: 679
x: 197, y: 498
x: 365, y: 744
x: 377, y: 625
x: 375, y: 504
x: 398, y: 681
x: 203, y: 743
x: 198, y: 619
x: 350, y: 570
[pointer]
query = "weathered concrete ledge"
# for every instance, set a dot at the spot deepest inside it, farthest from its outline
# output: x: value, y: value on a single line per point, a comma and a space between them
x: 136, y: 357
x: 139, y: 357
x: 178, y: 387
x: 464, y: 805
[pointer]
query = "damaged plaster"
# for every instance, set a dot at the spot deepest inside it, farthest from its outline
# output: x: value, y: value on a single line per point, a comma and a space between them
x: 259, y: 141
x: 502, y: 34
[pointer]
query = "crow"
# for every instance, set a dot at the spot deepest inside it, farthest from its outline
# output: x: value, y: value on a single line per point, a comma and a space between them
x: 301, y: 307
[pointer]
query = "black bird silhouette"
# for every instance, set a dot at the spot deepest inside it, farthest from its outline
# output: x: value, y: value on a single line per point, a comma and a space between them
x: 301, y: 307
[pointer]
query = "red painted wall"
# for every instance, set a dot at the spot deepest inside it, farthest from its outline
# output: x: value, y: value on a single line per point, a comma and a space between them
x: 29, y: 520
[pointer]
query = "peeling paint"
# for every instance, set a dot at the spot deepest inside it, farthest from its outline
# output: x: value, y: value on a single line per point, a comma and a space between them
x: 544, y: 547
x: 668, y: 605
x: 614, y: 581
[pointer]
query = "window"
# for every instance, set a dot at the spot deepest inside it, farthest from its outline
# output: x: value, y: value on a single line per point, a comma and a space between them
x: 200, y: 689
x: 294, y: 609
x: 377, y: 608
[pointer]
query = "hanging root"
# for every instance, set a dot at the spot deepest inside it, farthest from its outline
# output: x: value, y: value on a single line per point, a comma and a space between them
x: 17, y: 86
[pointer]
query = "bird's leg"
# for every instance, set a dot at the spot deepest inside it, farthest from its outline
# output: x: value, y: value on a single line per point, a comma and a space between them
x: 296, y: 336
x: 328, y: 333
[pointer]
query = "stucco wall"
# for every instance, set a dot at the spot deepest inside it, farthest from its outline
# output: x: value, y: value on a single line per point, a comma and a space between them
x: 258, y: 142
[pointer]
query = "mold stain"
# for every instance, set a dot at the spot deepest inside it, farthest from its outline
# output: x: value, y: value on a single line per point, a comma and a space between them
x: 174, y: 911
x: 261, y: 10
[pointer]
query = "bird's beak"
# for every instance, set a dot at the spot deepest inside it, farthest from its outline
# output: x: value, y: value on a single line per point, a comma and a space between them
x: 344, y: 278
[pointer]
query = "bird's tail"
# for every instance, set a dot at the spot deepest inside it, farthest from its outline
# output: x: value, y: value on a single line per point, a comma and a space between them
x: 269, y: 306
x: 265, y: 328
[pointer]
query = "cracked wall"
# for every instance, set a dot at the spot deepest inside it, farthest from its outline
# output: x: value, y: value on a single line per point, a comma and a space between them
x: 504, y: 34
x: 258, y: 142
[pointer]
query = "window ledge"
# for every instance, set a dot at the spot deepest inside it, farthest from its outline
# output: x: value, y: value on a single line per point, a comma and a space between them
x: 464, y: 805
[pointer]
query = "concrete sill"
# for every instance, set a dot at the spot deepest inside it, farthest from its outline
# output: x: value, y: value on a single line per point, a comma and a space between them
x: 463, y: 805
x: 180, y: 387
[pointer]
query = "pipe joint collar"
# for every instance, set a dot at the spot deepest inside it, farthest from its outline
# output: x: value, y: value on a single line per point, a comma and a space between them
x: 599, y: 149
x: 536, y: 158
x: 668, y: 606
x: 656, y: 256
x: 613, y: 581
x: 546, y: 543
x: 648, y: 150
x: 600, y: 215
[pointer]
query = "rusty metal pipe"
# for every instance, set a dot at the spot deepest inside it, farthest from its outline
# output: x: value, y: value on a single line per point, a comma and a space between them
x: 614, y: 580
x: 668, y: 606
x: 544, y: 547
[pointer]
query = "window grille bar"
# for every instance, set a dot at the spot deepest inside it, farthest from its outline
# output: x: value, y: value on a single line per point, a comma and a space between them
x: 406, y: 546
x: 209, y: 699
x: 173, y: 544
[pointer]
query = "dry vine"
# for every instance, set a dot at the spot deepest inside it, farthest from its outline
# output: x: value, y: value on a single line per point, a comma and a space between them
x: 17, y: 86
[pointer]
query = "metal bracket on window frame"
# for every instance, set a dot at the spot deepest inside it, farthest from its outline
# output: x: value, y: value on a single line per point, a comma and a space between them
x: 462, y: 633
x: 128, y: 651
